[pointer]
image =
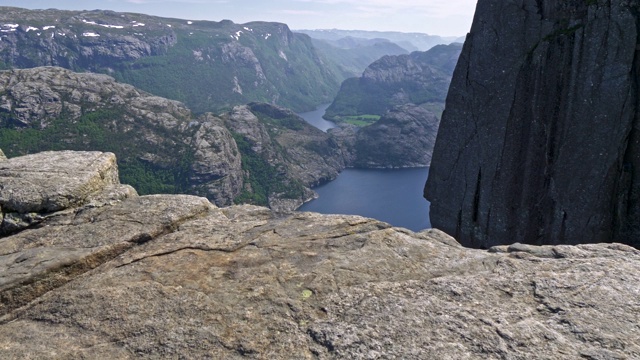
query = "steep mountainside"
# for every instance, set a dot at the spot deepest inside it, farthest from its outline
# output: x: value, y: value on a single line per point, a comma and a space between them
x: 418, y: 78
x: 162, y: 146
x: 540, y: 142
x: 207, y: 65
x: 403, y: 137
x: 282, y: 155
x: 102, y: 273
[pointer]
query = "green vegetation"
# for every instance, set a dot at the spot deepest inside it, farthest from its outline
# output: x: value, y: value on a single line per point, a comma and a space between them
x: 210, y: 66
x: 204, y: 67
x: 359, y: 120
x: 379, y: 92
x: 262, y: 179
x: 94, y: 132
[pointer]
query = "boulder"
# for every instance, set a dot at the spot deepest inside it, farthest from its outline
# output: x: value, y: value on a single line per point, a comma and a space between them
x: 53, y: 181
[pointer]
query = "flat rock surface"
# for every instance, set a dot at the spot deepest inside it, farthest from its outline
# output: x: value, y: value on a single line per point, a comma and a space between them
x: 241, y: 282
x: 52, y: 181
x: 172, y: 276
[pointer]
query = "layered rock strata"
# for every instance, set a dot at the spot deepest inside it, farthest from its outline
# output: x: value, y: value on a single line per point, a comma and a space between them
x: 174, y: 276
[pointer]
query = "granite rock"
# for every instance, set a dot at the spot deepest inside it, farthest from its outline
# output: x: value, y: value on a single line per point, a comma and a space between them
x: 540, y: 141
x: 173, y: 276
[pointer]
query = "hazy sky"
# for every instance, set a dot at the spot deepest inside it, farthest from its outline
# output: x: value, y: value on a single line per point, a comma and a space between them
x: 436, y: 17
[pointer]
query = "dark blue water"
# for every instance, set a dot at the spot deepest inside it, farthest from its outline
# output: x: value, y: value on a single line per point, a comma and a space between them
x: 390, y: 195
x: 315, y: 118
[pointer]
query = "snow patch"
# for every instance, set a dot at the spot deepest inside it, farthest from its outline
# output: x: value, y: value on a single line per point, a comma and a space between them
x: 6, y: 31
x: 90, y: 34
x: 237, y: 35
x: 12, y: 26
x: 169, y: 25
x: 30, y: 28
x: 140, y: 24
x: 266, y: 37
x: 246, y: 28
x: 283, y: 55
x: 189, y: 22
x: 48, y: 27
x: 103, y: 25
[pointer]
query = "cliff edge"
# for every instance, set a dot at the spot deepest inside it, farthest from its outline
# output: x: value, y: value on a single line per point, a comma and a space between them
x: 89, y: 269
x: 540, y: 139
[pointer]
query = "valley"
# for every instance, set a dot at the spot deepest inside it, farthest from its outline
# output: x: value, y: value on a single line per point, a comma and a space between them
x: 181, y: 188
x: 199, y: 107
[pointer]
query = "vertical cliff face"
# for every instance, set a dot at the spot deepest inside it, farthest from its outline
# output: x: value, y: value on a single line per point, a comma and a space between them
x: 540, y: 139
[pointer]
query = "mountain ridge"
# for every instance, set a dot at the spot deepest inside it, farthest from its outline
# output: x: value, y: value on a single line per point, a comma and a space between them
x: 208, y: 65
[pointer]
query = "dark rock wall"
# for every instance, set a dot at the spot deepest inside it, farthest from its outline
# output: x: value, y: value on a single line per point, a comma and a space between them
x: 540, y: 142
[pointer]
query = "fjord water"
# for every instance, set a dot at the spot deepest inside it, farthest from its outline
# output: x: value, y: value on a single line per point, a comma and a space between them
x: 315, y: 118
x: 390, y: 195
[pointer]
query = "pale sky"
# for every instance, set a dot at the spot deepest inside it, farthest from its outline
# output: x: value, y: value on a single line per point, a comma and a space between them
x: 434, y: 17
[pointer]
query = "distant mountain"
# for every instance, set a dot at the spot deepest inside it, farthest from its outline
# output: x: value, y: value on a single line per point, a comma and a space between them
x: 409, y: 41
x: 420, y: 78
x: 353, y: 55
x: 210, y: 66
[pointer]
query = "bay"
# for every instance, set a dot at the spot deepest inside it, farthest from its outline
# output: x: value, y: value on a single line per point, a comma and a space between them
x: 390, y: 195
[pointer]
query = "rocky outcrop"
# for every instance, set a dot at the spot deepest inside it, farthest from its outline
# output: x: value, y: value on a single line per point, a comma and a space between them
x: 418, y: 78
x: 289, y: 155
x: 174, y: 276
x: 154, y: 138
x: 403, y: 137
x: 539, y: 142
x: 209, y: 65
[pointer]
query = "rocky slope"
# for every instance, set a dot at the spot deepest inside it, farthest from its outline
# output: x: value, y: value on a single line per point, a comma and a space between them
x: 540, y: 141
x: 207, y: 65
x: 161, y: 145
x: 418, y: 78
x: 403, y: 137
x: 104, y: 273
x: 283, y: 155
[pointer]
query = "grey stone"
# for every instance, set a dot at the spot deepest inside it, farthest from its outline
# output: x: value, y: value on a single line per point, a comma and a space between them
x: 539, y: 142
x: 172, y: 276
x: 53, y: 181
x: 403, y: 137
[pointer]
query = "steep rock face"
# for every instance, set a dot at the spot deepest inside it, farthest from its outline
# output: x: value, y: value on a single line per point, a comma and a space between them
x: 209, y: 65
x: 174, y: 276
x: 540, y: 141
x: 418, y: 78
x: 288, y: 155
x: 51, y: 108
x: 403, y: 137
